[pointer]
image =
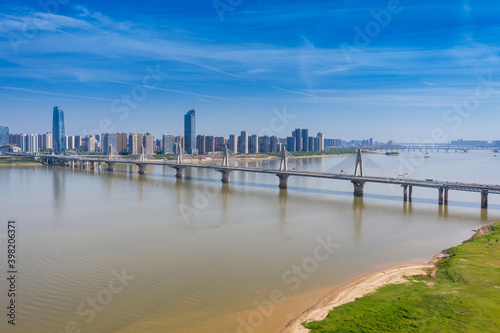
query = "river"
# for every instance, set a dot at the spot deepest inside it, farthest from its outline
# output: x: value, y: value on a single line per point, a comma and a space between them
x: 119, y: 252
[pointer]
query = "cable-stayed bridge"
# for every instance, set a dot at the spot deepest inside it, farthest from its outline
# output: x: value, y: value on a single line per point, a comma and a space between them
x: 358, y: 169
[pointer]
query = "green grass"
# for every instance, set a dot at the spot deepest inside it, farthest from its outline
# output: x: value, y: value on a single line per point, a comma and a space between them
x: 463, y: 297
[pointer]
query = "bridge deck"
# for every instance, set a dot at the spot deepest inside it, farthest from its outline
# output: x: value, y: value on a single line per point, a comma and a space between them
x: 457, y: 186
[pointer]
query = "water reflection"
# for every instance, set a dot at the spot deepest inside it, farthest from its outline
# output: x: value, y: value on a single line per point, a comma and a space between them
x: 58, y: 187
x: 358, y: 206
x: 407, y: 207
x: 484, y: 215
x: 283, y: 195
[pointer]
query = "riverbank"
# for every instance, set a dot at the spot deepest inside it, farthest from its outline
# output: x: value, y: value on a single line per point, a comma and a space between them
x: 460, y: 284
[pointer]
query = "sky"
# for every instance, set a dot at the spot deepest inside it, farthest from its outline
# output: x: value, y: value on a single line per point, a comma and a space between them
x: 409, y: 71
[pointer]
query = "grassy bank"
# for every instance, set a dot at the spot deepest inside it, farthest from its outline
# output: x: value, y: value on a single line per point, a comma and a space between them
x: 463, y: 296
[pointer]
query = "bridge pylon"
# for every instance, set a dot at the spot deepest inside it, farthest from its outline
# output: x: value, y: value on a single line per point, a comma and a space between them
x: 225, y: 157
x: 284, y: 160
x: 179, y: 154
x: 358, y: 169
x: 358, y: 172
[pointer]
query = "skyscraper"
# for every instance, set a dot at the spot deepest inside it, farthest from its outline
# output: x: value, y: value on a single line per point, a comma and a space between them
x: 290, y: 143
x: 233, y: 143
x: 121, y: 145
x: 209, y: 144
x: 168, y: 144
x: 47, y: 140
x: 148, y: 143
x: 305, y: 140
x: 4, y: 135
x: 243, y: 142
x: 109, y: 143
x: 190, y: 131
x: 58, y: 134
x: 200, y: 143
x: 220, y: 142
x: 321, y: 143
x: 135, y: 144
x: 31, y: 145
x: 70, y: 142
x: 298, y: 140
x: 179, y: 141
x: 274, y: 144
x: 253, y: 145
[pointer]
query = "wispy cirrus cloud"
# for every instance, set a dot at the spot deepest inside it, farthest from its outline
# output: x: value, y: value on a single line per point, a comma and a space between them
x: 40, y: 21
x: 57, y: 94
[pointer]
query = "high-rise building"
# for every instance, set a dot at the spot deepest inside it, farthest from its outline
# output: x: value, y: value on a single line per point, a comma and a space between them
x: 264, y: 144
x: 297, y: 134
x: 22, y: 142
x: 58, y: 133
x: 168, y: 144
x: 90, y: 142
x: 78, y: 141
x: 158, y: 145
x: 220, y: 142
x: 31, y: 145
x: 233, y: 143
x: 329, y: 143
x: 200, y: 144
x: 243, y: 142
x: 14, y: 139
x: 47, y: 140
x: 135, y: 144
x: 311, y: 144
x: 148, y: 143
x: 305, y: 140
x: 253, y: 145
x: 321, y: 141
x: 109, y: 143
x: 273, y: 147
x: 190, y: 131
x: 179, y: 141
x: 290, y: 143
x: 4, y: 135
x: 209, y: 144
x: 121, y: 143
x: 69, y: 142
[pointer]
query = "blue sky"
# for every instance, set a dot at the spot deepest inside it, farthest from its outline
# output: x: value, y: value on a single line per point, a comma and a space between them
x: 410, y: 71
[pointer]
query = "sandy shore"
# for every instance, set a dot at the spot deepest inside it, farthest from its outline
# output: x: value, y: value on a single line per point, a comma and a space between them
x: 366, y: 285
x: 357, y: 289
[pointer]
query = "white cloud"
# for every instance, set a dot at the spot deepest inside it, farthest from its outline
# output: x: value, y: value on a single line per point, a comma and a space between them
x: 39, y: 21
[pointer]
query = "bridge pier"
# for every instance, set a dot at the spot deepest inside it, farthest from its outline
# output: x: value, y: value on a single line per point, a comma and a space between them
x: 111, y: 166
x: 225, y: 176
x: 484, y: 200
x: 443, y: 196
x: 283, y: 180
x: 358, y: 187
x: 142, y: 169
x: 408, y: 193
x: 178, y: 172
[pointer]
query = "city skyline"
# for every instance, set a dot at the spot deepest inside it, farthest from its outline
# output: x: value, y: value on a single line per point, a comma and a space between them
x: 400, y: 80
